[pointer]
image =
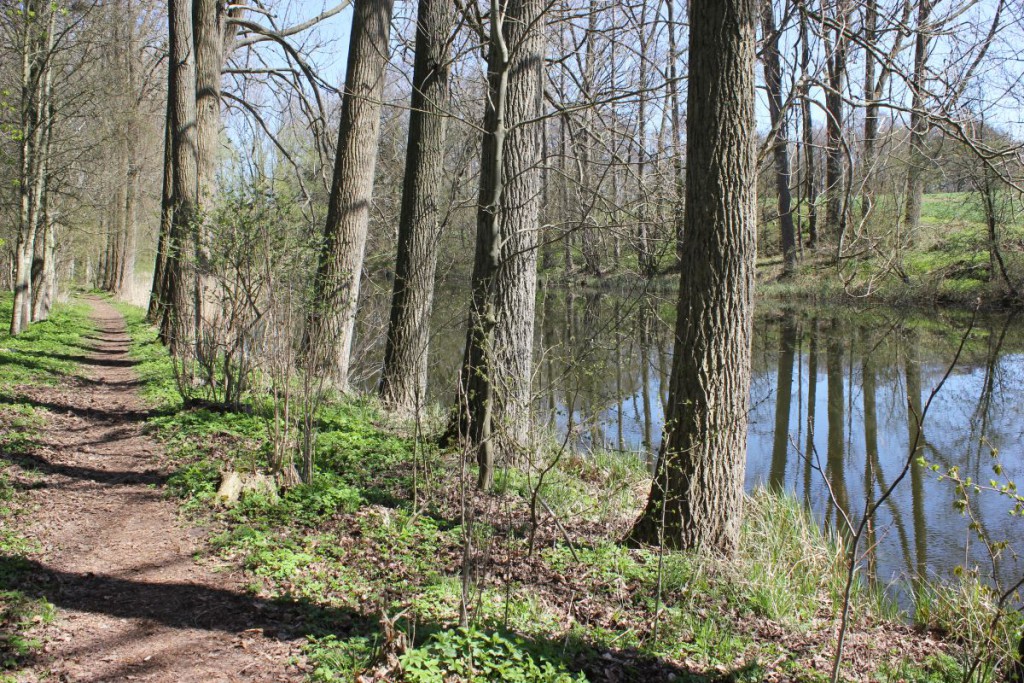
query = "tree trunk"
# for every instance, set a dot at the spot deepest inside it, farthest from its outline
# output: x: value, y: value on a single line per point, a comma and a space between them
x: 678, y: 178
x: 43, y: 270
x: 36, y: 46
x: 158, y: 293
x: 331, y: 323
x: 918, y: 123
x: 871, y: 96
x: 180, y: 326
x: 646, y: 258
x: 807, y: 120
x: 495, y: 411
x: 403, y: 382
x: 835, y: 151
x: 780, y: 147
x: 697, y: 494
x: 207, y: 22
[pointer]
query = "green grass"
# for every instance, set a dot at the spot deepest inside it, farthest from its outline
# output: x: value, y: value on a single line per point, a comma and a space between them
x: 945, y: 261
x: 44, y: 354
x: 154, y: 366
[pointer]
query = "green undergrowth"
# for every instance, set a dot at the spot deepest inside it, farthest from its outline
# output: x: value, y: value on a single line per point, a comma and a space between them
x: 371, y: 556
x: 44, y: 354
x: 945, y: 262
x: 153, y: 365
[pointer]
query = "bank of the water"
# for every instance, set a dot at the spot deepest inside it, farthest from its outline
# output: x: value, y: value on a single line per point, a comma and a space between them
x: 375, y: 548
x: 947, y: 262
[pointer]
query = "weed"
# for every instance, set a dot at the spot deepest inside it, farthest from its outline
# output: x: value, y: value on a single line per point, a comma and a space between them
x: 473, y: 656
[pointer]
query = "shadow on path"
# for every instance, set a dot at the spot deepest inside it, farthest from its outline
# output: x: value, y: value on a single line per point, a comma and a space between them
x: 116, y: 414
x: 31, y: 461
x: 176, y: 605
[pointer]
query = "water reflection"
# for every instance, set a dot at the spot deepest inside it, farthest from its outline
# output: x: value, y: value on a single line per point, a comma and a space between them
x: 836, y: 402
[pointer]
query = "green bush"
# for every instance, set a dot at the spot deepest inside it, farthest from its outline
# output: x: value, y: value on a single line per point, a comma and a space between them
x: 196, y: 480
x: 472, y: 656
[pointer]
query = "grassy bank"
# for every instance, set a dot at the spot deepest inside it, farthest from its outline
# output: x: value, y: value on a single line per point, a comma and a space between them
x: 371, y: 558
x: 43, y: 354
x: 945, y: 262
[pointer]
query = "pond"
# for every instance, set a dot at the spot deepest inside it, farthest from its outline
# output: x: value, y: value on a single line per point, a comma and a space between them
x: 837, y: 396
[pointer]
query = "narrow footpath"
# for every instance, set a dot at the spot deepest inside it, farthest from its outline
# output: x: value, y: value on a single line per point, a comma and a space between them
x: 133, y: 604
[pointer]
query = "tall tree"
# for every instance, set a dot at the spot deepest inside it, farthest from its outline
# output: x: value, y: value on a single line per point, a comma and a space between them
x: 810, y: 184
x: 156, y: 311
x: 36, y: 47
x: 918, y: 120
x: 697, y: 494
x: 331, y: 322
x: 403, y: 380
x: 836, y: 46
x: 780, y: 145
x: 496, y: 371
x: 178, y: 325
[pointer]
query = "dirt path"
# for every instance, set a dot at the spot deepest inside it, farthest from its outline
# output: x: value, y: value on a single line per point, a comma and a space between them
x: 132, y: 603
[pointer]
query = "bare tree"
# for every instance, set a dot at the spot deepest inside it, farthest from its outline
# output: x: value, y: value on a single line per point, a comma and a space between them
x: 331, y: 323
x: 497, y: 363
x: 403, y: 382
x: 780, y: 146
x: 697, y: 493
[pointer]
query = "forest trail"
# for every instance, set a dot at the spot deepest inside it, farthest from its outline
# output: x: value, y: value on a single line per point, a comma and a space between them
x: 132, y: 603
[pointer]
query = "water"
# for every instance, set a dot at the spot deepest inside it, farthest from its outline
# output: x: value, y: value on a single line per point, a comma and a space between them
x: 836, y: 397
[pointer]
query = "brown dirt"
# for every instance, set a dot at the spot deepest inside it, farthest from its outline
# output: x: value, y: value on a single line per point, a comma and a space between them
x: 132, y: 603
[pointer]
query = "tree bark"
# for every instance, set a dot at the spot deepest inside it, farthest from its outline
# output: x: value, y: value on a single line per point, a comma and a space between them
x: 835, y: 151
x: 403, y: 382
x: 918, y: 123
x: 780, y: 146
x: 331, y: 323
x: 807, y: 121
x: 158, y: 298
x: 179, y: 325
x: 697, y: 494
x: 496, y: 371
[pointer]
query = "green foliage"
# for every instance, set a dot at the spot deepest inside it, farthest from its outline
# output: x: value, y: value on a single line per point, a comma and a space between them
x: 471, y: 656
x: 45, y: 352
x: 938, y: 668
x: 304, y: 504
x: 153, y: 364
x: 18, y: 614
x: 335, y: 659
x: 196, y: 480
x: 968, y: 610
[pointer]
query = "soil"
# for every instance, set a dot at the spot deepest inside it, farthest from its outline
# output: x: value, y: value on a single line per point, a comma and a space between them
x: 132, y: 601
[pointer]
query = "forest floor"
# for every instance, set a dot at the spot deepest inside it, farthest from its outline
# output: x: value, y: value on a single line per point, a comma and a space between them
x: 112, y: 557
x: 117, y: 563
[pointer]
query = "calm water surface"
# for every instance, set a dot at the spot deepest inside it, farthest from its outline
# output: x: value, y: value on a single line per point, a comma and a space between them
x: 834, y: 401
